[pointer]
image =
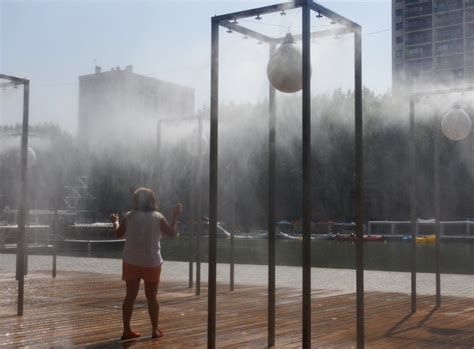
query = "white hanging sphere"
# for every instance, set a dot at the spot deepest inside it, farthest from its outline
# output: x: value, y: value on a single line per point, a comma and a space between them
x: 456, y: 124
x: 284, y: 70
x: 31, y: 157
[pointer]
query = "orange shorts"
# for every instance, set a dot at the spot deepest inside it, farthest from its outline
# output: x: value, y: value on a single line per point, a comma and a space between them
x: 135, y: 272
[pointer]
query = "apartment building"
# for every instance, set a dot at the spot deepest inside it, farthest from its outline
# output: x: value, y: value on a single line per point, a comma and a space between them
x: 120, y: 104
x: 432, y: 43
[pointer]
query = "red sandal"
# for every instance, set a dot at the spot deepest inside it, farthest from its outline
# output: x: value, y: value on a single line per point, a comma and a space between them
x: 131, y: 335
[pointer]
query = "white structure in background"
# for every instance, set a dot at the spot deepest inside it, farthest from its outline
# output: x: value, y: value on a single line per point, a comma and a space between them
x: 124, y: 105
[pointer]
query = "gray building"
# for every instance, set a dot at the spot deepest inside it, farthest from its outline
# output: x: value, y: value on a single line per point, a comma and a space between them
x: 119, y: 104
x: 432, y: 42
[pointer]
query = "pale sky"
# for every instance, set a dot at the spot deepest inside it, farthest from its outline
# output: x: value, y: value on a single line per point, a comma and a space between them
x: 54, y: 42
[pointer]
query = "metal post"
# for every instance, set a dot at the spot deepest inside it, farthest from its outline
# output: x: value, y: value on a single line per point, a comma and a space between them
x: 199, y: 209
x: 271, y: 211
x: 191, y: 231
x: 306, y: 124
x: 211, y: 312
x: 232, y: 233
x: 55, y: 241
x: 22, y: 251
x: 358, y: 187
x: 232, y: 257
x: 413, y: 226
x: 437, y: 137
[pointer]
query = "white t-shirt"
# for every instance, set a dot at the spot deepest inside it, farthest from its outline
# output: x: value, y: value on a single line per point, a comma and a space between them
x: 142, y: 239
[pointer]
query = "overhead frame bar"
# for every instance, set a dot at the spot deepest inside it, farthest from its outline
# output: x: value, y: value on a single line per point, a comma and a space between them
x: 271, y: 41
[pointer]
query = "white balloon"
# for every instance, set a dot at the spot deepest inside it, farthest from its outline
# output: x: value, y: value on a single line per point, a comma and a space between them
x: 456, y: 124
x: 31, y: 157
x: 284, y: 69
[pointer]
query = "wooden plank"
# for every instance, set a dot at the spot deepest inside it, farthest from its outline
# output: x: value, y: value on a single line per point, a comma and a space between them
x: 84, y: 309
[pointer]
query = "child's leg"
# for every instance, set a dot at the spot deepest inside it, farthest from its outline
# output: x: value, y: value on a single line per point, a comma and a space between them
x: 151, y: 290
x: 127, y: 306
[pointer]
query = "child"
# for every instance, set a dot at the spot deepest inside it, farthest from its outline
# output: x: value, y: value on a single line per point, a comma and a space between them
x: 143, y: 228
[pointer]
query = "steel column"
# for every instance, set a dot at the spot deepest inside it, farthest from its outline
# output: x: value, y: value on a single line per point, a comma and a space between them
x: 22, y: 246
x: 437, y: 136
x: 306, y: 123
x: 271, y: 210
x: 413, y: 207
x: 211, y: 312
x: 358, y: 187
x: 199, y: 209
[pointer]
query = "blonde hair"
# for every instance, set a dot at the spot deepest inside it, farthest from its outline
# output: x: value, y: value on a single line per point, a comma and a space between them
x: 144, y: 200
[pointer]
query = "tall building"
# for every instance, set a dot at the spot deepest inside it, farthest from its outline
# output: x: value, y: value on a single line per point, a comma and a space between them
x: 432, y: 42
x: 119, y: 104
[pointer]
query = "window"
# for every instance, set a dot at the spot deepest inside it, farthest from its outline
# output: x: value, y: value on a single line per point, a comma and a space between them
x: 419, y: 37
x: 419, y: 10
x: 469, y: 29
x: 470, y: 44
x: 399, y: 53
x: 399, y: 39
x: 470, y: 60
x: 399, y: 12
x: 469, y: 15
x: 447, y: 5
x: 449, y: 33
x: 418, y: 51
x: 449, y: 18
x: 449, y: 47
x: 419, y: 65
x: 419, y: 23
x: 399, y: 26
x: 456, y: 61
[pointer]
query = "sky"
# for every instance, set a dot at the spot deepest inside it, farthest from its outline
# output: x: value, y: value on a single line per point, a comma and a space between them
x: 54, y: 42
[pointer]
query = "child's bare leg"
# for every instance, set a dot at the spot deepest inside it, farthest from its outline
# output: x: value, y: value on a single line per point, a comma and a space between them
x: 127, y: 306
x: 151, y: 290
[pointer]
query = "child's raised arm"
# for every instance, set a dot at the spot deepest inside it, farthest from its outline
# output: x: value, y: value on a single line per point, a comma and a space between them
x: 170, y: 228
x: 118, y: 228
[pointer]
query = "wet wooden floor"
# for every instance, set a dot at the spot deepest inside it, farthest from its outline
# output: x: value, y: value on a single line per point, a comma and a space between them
x: 83, y: 309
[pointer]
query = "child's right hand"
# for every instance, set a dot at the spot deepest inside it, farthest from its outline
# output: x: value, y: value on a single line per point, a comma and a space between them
x: 114, y: 217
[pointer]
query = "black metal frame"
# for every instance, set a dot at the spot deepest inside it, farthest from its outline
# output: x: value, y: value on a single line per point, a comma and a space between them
x: 413, y: 204
x: 196, y: 197
x: 22, y: 247
x: 229, y: 21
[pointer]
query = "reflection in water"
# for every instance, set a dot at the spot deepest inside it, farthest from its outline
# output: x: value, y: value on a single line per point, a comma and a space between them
x: 456, y: 258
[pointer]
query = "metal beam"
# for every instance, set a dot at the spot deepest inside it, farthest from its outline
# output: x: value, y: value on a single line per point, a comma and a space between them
x: 442, y: 92
x: 359, y: 188
x: 334, y: 16
x: 22, y: 250
x: 14, y: 79
x: 437, y: 139
x: 271, y: 209
x: 413, y: 207
x: 211, y: 310
x: 257, y: 11
x: 306, y: 126
x: 245, y: 31
x: 317, y: 35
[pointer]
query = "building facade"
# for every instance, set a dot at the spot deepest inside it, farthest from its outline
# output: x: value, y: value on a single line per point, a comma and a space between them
x: 126, y: 106
x: 432, y: 43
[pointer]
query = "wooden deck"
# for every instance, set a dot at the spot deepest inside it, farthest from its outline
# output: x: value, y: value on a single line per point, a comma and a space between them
x: 83, y: 309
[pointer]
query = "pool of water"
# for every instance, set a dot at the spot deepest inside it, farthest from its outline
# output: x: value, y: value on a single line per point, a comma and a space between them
x: 456, y: 257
